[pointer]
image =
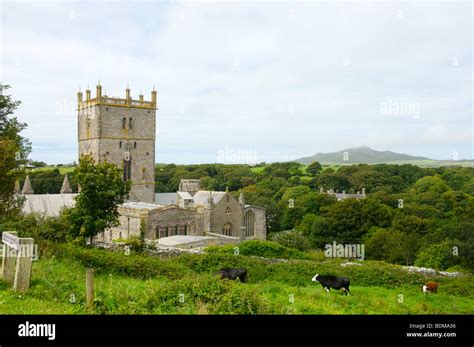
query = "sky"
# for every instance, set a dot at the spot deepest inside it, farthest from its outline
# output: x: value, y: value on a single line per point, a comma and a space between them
x: 249, y: 82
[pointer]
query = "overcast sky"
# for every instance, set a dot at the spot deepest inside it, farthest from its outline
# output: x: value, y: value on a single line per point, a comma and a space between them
x: 249, y: 82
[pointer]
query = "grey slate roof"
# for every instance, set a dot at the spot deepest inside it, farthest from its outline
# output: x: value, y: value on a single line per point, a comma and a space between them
x: 47, y: 204
x: 202, y: 197
x: 165, y: 198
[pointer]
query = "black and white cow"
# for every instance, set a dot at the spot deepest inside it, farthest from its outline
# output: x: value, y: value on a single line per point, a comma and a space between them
x: 336, y: 282
x: 233, y: 274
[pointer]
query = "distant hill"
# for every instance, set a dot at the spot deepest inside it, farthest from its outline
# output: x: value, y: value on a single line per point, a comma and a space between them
x: 359, y: 155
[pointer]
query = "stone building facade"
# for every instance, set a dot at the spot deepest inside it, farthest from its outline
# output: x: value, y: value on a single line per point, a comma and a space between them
x: 122, y: 132
x: 191, y: 212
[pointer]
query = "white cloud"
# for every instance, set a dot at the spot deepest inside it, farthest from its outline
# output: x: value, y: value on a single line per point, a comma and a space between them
x: 283, y: 79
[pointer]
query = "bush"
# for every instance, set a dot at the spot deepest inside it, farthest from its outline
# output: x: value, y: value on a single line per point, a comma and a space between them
x: 292, y: 239
x: 205, y: 289
x: 242, y: 300
x: 259, y: 248
x: 135, y: 265
x: 438, y: 256
x: 38, y: 227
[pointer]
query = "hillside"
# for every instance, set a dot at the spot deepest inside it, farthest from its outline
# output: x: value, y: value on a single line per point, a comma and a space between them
x: 359, y: 155
x: 139, y: 284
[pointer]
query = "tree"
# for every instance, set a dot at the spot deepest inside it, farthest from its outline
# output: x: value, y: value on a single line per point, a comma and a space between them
x: 14, y: 150
x: 102, y: 190
x: 392, y: 246
x: 348, y: 221
x: 314, y: 168
x: 336, y: 181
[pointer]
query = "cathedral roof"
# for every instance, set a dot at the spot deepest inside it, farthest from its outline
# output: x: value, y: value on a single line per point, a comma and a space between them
x: 48, y: 204
x: 202, y: 197
x: 165, y: 198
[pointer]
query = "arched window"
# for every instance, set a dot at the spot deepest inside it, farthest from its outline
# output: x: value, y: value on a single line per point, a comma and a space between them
x: 228, y: 210
x: 249, y: 223
x: 227, y: 229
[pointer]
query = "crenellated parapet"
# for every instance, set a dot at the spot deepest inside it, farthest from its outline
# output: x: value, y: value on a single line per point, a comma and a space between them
x: 128, y: 101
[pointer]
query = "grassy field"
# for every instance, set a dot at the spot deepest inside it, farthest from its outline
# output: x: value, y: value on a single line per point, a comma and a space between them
x: 187, y: 284
x: 62, y: 169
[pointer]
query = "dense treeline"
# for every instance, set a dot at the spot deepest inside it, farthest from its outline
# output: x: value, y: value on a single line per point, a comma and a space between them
x: 48, y: 181
x: 411, y: 215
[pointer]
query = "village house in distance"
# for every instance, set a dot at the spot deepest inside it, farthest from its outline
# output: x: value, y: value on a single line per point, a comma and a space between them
x: 123, y: 132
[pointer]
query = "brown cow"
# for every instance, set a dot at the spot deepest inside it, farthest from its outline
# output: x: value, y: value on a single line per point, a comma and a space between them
x: 430, y: 287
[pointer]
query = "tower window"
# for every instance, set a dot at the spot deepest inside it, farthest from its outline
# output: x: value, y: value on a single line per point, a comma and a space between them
x: 134, y: 145
x: 130, y: 123
x: 228, y: 211
x: 124, y: 123
x: 120, y: 144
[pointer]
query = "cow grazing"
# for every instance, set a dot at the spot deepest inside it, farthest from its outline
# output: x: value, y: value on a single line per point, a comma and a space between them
x: 430, y: 287
x: 233, y: 274
x: 336, y: 282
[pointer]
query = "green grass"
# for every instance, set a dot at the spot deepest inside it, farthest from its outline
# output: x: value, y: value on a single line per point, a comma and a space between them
x: 188, y: 285
x: 62, y: 169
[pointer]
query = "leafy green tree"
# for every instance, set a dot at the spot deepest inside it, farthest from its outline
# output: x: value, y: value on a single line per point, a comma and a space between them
x: 392, y: 246
x: 314, y: 168
x: 335, y: 181
x: 349, y: 220
x: 14, y: 151
x: 102, y: 190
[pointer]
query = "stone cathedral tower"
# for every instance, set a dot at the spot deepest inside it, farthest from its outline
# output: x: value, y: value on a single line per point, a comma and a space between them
x: 122, y: 132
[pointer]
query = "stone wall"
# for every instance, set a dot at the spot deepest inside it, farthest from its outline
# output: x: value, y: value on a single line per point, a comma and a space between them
x: 101, y: 133
x: 172, y: 216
